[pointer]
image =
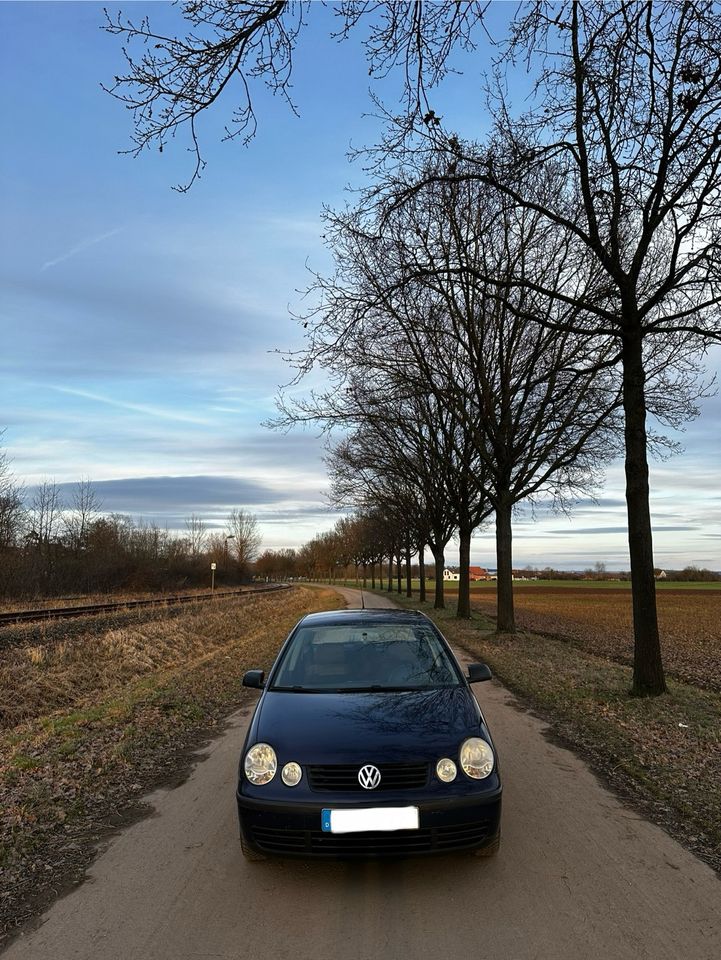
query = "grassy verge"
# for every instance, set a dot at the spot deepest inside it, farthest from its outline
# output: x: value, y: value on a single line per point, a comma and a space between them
x: 663, y: 754
x: 110, y: 714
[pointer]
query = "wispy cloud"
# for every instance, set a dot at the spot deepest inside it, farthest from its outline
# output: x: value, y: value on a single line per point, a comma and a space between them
x: 83, y: 245
x: 141, y: 408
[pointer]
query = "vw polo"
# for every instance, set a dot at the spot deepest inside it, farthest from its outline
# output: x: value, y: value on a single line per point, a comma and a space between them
x: 367, y: 741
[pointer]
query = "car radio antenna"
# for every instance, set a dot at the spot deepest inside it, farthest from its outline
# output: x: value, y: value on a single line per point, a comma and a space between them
x: 363, y: 602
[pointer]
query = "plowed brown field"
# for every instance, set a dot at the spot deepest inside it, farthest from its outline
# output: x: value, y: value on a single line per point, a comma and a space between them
x: 600, y: 621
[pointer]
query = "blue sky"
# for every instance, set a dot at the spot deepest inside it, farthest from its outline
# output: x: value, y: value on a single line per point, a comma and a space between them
x: 139, y: 324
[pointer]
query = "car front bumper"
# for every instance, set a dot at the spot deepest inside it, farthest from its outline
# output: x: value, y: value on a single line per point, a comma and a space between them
x: 294, y: 828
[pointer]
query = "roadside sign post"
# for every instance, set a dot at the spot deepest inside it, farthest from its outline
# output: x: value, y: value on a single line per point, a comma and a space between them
x: 212, y: 576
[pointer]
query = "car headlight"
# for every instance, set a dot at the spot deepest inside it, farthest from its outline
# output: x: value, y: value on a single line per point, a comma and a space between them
x: 260, y: 764
x: 476, y: 758
x: 291, y: 774
x: 446, y: 770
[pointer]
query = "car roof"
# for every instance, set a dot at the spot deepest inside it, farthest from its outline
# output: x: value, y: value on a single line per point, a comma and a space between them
x: 383, y: 615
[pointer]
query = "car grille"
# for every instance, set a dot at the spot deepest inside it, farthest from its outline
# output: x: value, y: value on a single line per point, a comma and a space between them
x: 372, y: 843
x: 344, y: 777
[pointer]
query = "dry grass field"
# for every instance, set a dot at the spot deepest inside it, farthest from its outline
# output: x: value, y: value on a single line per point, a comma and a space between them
x: 61, y: 664
x: 97, y: 711
x: 599, y: 621
x: 570, y: 662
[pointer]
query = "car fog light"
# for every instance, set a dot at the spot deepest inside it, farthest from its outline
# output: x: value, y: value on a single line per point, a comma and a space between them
x: 476, y: 758
x: 260, y: 764
x: 446, y: 770
x: 291, y: 774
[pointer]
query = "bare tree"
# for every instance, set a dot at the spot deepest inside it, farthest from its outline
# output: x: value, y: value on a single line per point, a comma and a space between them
x: 148, y: 541
x: 417, y: 460
x: 197, y: 534
x: 327, y: 555
x: 216, y: 549
x: 232, y: 46
x: 525, y: 408
x: 399, y: 456
x: 45, y: 514
x: 374, y: 528
x: 246, y: 540
x: 628, y: 113
x: 397, y: 516
x: 84, y: 510
x: 277, y: 564
x: 12, y: 510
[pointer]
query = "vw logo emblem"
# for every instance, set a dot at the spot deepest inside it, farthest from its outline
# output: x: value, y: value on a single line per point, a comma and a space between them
x: 369, y: 776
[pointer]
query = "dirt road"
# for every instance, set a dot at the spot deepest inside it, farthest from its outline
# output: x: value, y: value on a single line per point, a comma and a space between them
x: 578, y: 877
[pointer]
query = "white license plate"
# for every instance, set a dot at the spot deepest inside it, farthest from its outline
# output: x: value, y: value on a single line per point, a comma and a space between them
x: 372, y: 818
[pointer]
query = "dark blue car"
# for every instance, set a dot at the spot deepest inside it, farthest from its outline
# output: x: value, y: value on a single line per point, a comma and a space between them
x: 367, y: 741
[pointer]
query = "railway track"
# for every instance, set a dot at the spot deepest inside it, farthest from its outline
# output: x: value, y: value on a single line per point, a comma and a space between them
x: 88, y: 610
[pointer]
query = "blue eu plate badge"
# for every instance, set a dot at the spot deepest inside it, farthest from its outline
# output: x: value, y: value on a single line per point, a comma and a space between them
x: 369, y: 819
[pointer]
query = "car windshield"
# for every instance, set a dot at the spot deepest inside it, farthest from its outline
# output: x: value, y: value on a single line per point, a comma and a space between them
x: 358, y: 657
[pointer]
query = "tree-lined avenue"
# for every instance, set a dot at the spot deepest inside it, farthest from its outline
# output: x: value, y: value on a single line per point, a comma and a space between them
x: 578, y: 875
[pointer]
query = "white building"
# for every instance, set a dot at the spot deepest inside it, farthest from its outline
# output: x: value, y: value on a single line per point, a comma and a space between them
x: 450, y: 575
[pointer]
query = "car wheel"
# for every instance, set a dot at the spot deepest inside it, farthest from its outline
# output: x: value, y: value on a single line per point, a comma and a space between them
x: 249, y: 853
x: 491, y: 849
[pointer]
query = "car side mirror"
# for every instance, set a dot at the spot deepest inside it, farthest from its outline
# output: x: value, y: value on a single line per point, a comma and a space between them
x: 478, y: 672
x: 255, y: 678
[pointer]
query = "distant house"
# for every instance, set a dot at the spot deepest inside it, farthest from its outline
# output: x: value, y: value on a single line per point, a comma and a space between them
x: 474, y: 573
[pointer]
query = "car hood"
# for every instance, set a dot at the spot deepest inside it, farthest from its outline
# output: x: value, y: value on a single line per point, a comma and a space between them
x: 367, y: 727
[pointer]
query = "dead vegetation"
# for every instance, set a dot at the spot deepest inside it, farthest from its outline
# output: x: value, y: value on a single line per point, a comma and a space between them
x: 49, y: 666
x: 661, y: 753
x: 599, y: 622
x: 93, y: 721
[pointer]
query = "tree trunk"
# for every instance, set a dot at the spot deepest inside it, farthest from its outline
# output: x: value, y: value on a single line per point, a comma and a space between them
x: 390, y: 573
x: 463, y: 611
x: 399, y: 569
x: 409, y: 586
x: 373, y: 575
x: 380, y: 573
x: 439, y: 602
x: 422, y: 573
x: 648, y: 678
x: 365, y: 577
x: 505, y: 620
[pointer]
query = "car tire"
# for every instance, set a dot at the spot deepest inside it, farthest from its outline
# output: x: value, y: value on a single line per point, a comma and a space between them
x: 253, y: 856
x: 491, y: 849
